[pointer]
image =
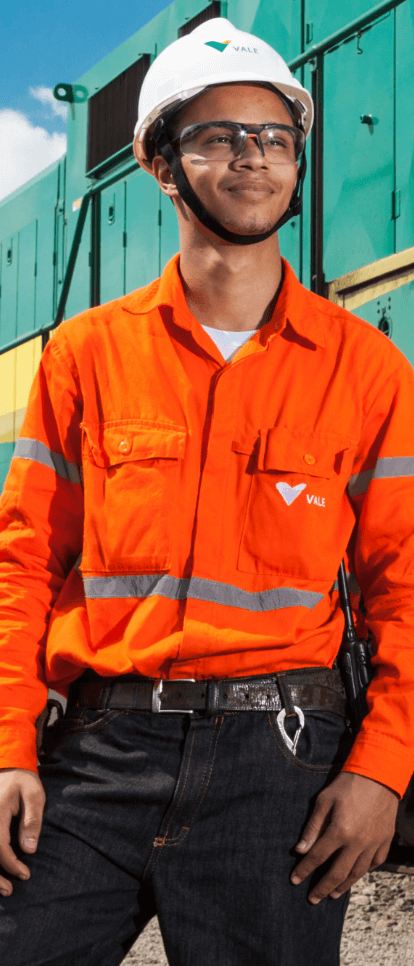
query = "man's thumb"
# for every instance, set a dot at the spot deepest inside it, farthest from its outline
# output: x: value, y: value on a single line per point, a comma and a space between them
x: 31, y: 823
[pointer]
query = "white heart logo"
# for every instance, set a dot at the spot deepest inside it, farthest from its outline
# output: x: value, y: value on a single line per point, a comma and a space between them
x: 289, y: 493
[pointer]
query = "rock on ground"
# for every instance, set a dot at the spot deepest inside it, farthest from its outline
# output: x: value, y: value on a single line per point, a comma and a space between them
x: 379, y: 926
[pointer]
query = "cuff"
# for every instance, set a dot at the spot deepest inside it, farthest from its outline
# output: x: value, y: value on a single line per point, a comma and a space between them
x: 18, y: 748
x: 383, y: 760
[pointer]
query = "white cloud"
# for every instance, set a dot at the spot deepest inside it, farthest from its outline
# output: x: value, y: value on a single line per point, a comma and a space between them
x: 25, y: 150
x: 45, y: 96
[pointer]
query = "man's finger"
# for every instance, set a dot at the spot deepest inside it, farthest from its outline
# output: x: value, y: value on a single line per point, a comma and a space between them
x: 10, y: 863
x: 347, y: 867
x: 361, y: 867
x: 329, y: 843
x: 6, y: 887
x: 31, y: 819
x: 316, y: 825
x: 366, y: 862
x: 380, y: 855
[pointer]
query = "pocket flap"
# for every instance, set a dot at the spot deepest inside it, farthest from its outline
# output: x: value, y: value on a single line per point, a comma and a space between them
x: 120, y: 442
x: 280, y: 449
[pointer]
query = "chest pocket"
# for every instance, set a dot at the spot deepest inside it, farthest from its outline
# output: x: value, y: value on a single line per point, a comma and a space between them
x: 298, y: 516
x: 131, y: 476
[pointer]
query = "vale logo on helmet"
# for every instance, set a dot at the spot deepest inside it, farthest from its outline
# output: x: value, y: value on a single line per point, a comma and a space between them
x: 221, y: 47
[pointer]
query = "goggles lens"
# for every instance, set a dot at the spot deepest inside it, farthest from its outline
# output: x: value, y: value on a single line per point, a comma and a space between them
x: 226, y: 141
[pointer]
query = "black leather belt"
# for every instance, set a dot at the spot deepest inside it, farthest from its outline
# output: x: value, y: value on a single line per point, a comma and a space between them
x: 317, y: 689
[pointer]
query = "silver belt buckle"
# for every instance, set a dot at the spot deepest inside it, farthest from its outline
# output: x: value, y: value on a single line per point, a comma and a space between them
x: 156, y: 698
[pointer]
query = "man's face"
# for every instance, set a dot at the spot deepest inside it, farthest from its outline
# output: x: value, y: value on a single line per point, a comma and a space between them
x: 247, y: 195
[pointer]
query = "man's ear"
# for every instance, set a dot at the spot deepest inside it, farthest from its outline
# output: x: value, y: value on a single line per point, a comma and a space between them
x: 162, y: 172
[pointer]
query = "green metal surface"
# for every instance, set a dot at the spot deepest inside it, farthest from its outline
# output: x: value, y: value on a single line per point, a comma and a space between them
x: 142, y: 249
x: 327, y: 17
x: 6, y: 453
x: 113, y: 215
x: 348, y: 31
x: 168, y: 231
x: 358, y: 158
x: 278, y: 23
x: 31, y: 223
x: 393, y: 313
x: 26, y: 282
x: 404, y: 89
x: 9, y: 276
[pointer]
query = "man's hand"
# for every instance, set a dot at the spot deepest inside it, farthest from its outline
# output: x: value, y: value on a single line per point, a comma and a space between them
x: 20, y: 791
x: 353, y: 821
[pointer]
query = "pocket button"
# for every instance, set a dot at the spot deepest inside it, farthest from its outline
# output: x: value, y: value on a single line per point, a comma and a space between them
x: 124, y: 446
x: 309, y: 459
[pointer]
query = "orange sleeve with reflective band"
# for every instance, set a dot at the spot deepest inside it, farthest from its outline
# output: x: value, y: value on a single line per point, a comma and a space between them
x: 382, y: 494
x: 172, y: 515
x: 41, y: 518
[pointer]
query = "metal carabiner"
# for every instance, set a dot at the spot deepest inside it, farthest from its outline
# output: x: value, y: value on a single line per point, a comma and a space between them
x: 291, y: 742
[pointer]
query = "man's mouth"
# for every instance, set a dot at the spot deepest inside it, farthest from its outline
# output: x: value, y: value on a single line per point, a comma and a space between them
x: 259, y: 187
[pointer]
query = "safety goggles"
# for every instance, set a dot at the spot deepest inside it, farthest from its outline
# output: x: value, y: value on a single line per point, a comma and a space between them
x: 226, y: 141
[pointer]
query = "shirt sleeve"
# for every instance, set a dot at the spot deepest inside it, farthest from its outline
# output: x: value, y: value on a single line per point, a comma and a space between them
x: 382, y: 494
x: 41, y: 520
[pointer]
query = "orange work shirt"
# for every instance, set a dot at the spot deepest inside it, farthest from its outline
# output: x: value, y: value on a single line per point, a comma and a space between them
x: 172, y: 514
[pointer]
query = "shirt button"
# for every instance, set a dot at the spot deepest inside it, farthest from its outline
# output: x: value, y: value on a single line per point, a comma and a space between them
x: 124, y: 446
x: 309, y: 459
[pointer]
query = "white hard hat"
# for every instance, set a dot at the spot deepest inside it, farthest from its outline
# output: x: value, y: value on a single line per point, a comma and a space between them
x: 214, y: 53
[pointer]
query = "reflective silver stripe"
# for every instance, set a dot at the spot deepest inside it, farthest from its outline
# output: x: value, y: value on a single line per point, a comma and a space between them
x: 33, y: 449
x: 386, y: 468
x: 196, y: 588
x: 353, y: 585
x: 360, y: 482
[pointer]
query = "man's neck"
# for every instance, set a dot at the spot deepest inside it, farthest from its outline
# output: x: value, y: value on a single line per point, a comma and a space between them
x: 231, y: 287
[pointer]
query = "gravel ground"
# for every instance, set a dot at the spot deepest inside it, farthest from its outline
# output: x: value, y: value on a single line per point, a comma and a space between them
x: 379, y: 926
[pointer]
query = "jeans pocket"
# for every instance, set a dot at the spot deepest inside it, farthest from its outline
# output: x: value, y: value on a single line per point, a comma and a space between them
x: 85, y: 721
x: 322, y: 745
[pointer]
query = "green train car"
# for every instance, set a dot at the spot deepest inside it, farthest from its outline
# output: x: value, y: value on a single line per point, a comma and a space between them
x: 93, y: 226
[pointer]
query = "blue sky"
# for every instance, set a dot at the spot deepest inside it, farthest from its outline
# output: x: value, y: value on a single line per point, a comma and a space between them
x: 42, y: 44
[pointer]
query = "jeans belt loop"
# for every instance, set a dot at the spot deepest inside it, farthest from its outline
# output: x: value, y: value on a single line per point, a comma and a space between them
x: 104, y: 697
x: 212, y: 696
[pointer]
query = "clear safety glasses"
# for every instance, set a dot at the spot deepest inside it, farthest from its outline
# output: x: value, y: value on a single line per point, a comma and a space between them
x: 226, y: 141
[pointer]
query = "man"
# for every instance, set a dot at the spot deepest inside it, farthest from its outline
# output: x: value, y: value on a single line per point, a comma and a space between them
x: 218, y: 499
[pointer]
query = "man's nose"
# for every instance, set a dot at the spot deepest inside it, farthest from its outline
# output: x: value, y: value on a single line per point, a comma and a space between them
x: 252, y: 154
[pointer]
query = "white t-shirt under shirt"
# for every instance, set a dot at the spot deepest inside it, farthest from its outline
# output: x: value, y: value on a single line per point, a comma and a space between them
x: 228, y: 342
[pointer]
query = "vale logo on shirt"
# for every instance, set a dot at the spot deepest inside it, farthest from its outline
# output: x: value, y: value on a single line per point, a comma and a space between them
x: 290, y: 493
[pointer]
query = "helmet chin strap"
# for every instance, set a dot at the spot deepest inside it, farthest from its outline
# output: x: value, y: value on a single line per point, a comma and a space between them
x: 188, y: 195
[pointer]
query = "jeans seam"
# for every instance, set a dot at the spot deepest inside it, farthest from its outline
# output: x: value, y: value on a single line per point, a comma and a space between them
x: 159, y: 841
x: 186, y: 828
x: 313, y: 769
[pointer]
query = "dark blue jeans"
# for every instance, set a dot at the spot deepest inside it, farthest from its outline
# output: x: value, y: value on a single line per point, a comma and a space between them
x: 190, y: 817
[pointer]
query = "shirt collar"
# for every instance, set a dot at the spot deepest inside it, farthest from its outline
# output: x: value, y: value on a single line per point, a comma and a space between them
x: 165, y: 291
x: 294, y: 304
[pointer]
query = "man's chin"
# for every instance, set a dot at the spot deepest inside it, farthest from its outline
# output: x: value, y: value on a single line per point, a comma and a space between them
x: 254, y: 223
x: 252, y: 227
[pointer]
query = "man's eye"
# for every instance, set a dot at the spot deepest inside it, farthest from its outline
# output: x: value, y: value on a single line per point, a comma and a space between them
x: 221, y: 139
x: 277, y: 143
